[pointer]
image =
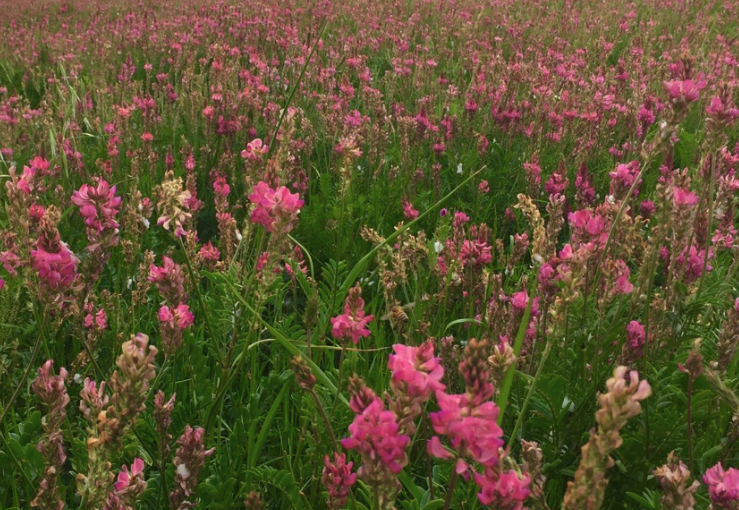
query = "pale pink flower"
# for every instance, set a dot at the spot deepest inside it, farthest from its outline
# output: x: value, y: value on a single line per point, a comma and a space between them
x: 254, y: 149
x: 408, y: 211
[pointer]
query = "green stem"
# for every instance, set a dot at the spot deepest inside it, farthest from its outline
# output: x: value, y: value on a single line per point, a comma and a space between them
x: 525, y: 405
x: 196, y: 285
x: 450, y: 489
x: 505, y: 389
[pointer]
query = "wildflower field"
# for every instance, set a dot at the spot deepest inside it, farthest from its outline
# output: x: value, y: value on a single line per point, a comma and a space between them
x: 412, y: 255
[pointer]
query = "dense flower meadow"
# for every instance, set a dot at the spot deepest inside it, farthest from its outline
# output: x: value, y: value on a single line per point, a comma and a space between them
x: 412, y: 255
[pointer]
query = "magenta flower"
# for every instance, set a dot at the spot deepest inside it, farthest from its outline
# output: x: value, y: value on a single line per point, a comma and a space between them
x: 338, y: 480
x: 275, y: 207
x: 99, y: 206
x: 506, y: 491
x: 473, y: 431
x: 58, y: 268
x: 723, y: 486
x: 683, y: 91
x: 127, y: 479
x: 374, y: 434
x: 352, y: 324
x: 416, y: 369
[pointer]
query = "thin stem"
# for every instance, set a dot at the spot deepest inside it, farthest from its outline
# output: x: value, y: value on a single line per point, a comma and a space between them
x: 196, y: 284
x: 690, y: 421
x: 450, y: 490
x: 322, y: 411
x: 525, y: 405
x: 341, y: 373
x: 24, y: 378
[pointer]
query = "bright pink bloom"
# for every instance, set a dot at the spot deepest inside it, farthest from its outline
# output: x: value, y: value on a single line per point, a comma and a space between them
x: 473, y: 430
x: 723, y: 486
x: 128, y: 478
x: 506, y: 491
x: 374, y: 434
x: 683, y: 91
x: 275, y: 206
x: 58, y: 268
x: 98, y: 206
x: 338, y: 480
x: 416, y: 370
x: 221, y: 187
x: 352, y: 324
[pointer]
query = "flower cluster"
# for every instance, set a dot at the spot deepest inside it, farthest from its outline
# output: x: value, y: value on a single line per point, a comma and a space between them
x: 53, y: 394
x: 277, y: 210
x: 723, y: 487
x: 99, y: 207
x: 352, y: 324
x: 338, y: 480
x: 189, y: 460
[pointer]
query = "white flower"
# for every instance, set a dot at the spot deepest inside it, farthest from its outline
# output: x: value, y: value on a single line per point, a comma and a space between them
x: 183, y: 472
x: 145, y: 222
x: 459, y: 168
x: 77, y: 379
x: 239, y: 236
x: 569, y: 404
x: 438, y: 247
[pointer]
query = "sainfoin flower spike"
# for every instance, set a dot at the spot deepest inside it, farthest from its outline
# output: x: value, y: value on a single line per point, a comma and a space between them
x: 352, y: 324
x: 338, y: 479
x: 189, y: 460
x: 53, y: 394
x: 617, y: 405
x: 276, y: 210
